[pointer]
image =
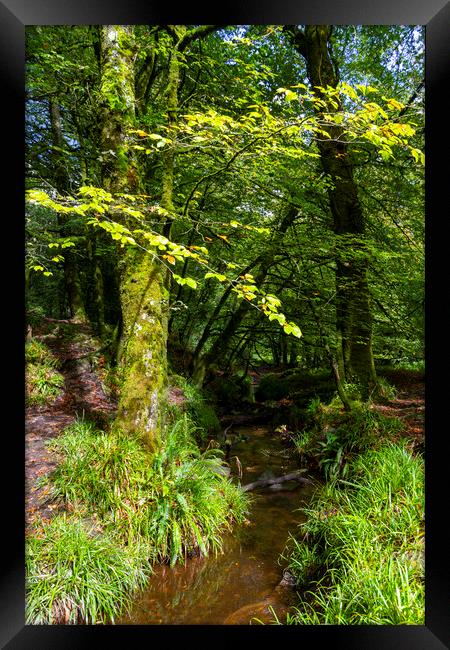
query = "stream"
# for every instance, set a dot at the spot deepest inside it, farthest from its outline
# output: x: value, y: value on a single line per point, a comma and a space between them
x: 243, y: 581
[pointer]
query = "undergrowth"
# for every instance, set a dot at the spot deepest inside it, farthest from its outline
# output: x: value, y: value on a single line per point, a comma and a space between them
x: 199, y: 409
x: 333, y: 437
x: 43, y: 382
x: 358, y: 559
x: 75, y: 574
x: 169, y: 505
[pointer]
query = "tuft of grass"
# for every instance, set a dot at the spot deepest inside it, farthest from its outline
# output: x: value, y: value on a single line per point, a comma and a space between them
x: 178, y: 499
x: 42, y: 380
x: 359, y: 557
x: 190, y: 501
x: 76, y: 575
x: 334, y: 438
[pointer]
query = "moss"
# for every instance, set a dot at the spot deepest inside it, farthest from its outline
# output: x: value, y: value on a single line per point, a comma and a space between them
x: 143, y: 363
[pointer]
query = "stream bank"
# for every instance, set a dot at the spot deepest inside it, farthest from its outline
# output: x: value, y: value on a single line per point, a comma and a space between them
x: 243, y: 582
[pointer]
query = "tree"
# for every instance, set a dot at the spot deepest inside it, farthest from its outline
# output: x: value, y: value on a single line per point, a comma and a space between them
x: 192, y: 156
x: 143, y: 297
x: 353, y: 310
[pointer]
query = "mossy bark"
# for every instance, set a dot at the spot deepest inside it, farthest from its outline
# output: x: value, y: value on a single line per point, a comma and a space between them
x: 143, y: 353
x: 353, y: 309
x: 142, y: 356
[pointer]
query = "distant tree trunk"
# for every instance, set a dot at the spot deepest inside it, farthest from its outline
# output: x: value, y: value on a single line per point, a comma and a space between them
x: 353, y: 310
x: 143, y: 298
x: 98, y: 297
x: 61, y: 180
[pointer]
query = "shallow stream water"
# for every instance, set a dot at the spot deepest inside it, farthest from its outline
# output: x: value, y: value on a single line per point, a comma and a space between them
x: 240, y: 584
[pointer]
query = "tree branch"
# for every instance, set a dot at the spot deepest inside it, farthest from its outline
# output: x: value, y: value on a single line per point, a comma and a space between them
x: 293, y: 476
x: 194, y: 34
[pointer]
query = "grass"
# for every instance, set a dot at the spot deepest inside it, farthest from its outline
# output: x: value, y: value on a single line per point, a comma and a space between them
x: 43, y: 381
x: 333, y: 438
x: 146, y: 508
x: 359, y: 557
x: 76, y: 575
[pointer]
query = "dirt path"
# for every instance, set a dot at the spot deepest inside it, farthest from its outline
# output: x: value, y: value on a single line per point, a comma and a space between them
x: 82, y: 395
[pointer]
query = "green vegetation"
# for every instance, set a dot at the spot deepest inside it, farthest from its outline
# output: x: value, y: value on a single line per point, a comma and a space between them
x: 76, y: 574
x: 199, y: 408
x: 332, y: 438
x: 296, y: 384
x: 359, y: 557
x: 158, y: 508
x: 43, y: 381
x: 242, y: 205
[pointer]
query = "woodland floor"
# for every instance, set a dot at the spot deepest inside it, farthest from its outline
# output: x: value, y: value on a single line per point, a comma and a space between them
x: 84, y: 395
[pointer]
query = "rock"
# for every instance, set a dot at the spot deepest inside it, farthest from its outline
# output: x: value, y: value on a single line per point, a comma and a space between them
x: 261, y: 610
x: 288, y: 580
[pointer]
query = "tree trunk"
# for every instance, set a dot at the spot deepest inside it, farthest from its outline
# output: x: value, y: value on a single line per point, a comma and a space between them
x: 143, y: 363
x: 61, y: 179
x: 143, y: 298
x: 353, y: 310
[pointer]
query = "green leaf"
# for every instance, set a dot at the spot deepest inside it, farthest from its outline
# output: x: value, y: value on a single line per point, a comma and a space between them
x: 218, y: 276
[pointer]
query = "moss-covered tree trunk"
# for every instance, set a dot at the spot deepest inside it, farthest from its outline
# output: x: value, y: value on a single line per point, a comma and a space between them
x: 142, y: 357
x: 353, y: 309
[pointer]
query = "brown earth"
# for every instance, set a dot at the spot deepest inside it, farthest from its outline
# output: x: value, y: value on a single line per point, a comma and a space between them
x: 408, y: 406
x: 83, y: 395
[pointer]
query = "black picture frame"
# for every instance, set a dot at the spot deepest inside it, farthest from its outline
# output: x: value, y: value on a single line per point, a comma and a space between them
x: 15, y: 15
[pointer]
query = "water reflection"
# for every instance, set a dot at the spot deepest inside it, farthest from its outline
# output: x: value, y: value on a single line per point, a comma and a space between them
x: 211, y: 590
